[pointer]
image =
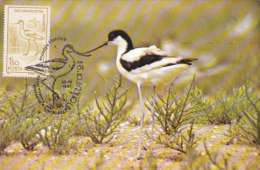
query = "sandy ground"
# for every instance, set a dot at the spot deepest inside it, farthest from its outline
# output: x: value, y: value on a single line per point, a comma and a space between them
x: 120, y: 153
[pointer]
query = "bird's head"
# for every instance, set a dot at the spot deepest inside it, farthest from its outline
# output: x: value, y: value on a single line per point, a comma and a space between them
x: 118, y: 38
x: 68, y: 48
x: 20, y: 22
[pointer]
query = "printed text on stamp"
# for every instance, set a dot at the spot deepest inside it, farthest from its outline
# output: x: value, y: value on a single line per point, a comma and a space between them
x: 26, y: 31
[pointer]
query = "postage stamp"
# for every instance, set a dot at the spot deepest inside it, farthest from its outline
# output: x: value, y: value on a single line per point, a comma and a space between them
x: 26, y: 33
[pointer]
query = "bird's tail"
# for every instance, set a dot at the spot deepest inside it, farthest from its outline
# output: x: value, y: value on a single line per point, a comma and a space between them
x: 34, y: 68
x: 187, y: 61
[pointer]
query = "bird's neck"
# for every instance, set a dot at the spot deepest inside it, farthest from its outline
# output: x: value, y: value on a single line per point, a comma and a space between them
x: 123, y: 47
x: 21, y: 28
x: 70, y: 60
x: 68, y: 57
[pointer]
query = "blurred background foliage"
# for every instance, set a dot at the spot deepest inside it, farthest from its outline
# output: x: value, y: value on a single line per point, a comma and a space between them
x: 223, y: 35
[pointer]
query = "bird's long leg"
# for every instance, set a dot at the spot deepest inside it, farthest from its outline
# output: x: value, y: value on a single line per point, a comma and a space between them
x: 141, y: 121
x: 52, y: 90
x: 153, y: 113
x: 36, y: 48
x: 53, y: 84
x: 28, y: 48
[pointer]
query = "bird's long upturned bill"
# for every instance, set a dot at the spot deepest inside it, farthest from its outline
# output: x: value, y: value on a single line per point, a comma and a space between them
x: 95, y: 48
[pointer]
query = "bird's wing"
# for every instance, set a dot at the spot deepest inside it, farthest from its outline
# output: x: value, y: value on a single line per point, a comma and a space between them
x: 137, y: 53
x: 50, y: 65
x: 145, y: 59
x: 55, y: 64
x: 176, y: 62
x: 153, y: 50
x: 140, y: 57
x: 32, y: 34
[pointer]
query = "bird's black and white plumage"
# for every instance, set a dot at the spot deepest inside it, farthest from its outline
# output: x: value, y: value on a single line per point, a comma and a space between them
x: 144, y: 66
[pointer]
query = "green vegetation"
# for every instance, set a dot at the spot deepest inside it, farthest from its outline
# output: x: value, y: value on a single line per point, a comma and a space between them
x: 175, y: 116
x: 172, y: 112
x: 136, y: 122
x: 56, y: 134
x: 23, y: 119
x: 252, y: 125
x: 103, y: 121
x: 213, y: 159
x: 247, y: 128
x: 224, y: 109
x: 183, y: 143
x: 19, y: 119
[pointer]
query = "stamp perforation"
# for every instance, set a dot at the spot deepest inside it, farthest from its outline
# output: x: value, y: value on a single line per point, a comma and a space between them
x: 6, y: 39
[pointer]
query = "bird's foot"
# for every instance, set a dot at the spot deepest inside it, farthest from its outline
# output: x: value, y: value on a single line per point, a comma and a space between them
x: 56, y: 101
x: 139, y: 157
x: 58, y: 104
x: 56, y: 96
x: 35, y: 55
x: 25, y: 54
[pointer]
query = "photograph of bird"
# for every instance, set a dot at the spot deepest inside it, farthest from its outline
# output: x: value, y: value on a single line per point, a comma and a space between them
x: 145, y: 66
x: 30, y: 36
x: 57, y: 67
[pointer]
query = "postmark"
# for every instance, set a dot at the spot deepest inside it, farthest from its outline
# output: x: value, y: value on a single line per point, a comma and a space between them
x: 26, y: 33
x: 60, y: 79
x: 68, y: 90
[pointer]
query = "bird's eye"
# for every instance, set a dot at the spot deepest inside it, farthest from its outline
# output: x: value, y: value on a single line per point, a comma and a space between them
x: 111, y: 37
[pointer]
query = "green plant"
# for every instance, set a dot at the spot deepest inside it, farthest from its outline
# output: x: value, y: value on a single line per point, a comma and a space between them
x: 135, y: 122
x: 213, y: 159
x: 25, y: 121
x: 224, y: 109
x: 5, y: 137
x: 102, y: 121
x: 172, y: 112
x: 179, y: 141
x: 57, y: 132
x: 249, y: 127
x: 19, y: 113
x: 31, y: 125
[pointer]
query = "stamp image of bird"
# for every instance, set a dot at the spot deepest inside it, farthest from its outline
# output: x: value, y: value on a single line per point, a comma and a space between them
x: 29, y: 35
x: 145, y: 66
x: 26, y: 32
